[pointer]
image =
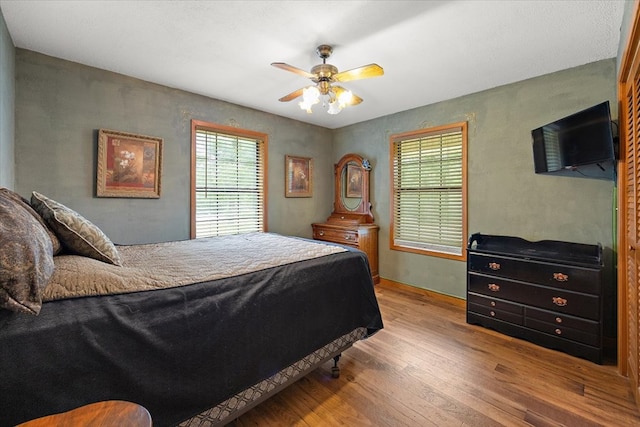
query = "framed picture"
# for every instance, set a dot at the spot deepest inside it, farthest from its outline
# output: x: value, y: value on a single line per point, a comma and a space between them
x: 129, y: 165
x: 354, y: 181
x: 298, y: 176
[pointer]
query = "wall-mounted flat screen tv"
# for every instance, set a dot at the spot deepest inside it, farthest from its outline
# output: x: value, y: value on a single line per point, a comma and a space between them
x: 581, y: 144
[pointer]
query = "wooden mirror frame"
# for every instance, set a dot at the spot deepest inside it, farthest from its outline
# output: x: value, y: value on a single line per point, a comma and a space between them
x: 362, y: 212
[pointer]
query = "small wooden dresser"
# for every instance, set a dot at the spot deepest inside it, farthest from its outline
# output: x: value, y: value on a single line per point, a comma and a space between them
x: 551, y: 293
x: 346, y: 230
x: 351, y: 222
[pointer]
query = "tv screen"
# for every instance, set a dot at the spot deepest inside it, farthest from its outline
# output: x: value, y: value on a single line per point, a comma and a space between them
x: 581, y: 139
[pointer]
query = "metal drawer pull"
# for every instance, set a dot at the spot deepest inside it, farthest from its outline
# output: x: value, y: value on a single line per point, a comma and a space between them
x: 558, y: 319
x: 493, y: 303
x: 494, y: 266
x: 560, y: 277
x: 561, y: 302
x: 321, y: 233
x: 558, y: 331
x: 492, y: 313
x: 493, y: 287
x: 347, y: 237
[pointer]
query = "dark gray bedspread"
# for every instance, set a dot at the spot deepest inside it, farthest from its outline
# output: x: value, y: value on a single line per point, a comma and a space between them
x: 180, y: 350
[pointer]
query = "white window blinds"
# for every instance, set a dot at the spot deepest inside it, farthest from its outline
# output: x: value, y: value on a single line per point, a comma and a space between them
x: 229, y: 183
x: 428, y: 202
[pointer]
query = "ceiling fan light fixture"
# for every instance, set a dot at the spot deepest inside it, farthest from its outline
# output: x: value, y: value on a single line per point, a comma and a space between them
x: 324, y: 75
x: 334, y: 107
x: 304, y: 106
x: 311, y: 95
x: 345, y: 98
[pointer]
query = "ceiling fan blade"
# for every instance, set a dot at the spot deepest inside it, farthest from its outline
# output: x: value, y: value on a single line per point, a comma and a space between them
x: 293, y: 69
x: 293, y: 95
x: 364, y: 72
x: 355, y: 99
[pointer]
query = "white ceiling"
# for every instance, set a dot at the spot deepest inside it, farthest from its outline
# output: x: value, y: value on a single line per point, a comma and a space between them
x: 430, y: 50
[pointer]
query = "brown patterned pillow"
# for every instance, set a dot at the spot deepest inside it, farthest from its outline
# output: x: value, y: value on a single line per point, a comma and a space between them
x: 76, y: 233
x: 26, y: 256
x: 55, y: 242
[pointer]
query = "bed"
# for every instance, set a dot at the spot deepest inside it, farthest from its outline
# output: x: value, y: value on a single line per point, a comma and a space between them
x: 196, y: 331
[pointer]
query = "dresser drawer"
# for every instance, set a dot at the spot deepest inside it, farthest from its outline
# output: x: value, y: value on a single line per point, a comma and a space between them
x: 495, y: 303
x: 561, y: 301
x: 517, y: 319
x: 560, y: 276
x: 349, y: 237
x: 563, y: 332
x: 563, y: 320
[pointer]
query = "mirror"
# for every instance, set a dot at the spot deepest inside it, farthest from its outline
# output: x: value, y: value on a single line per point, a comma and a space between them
x: 351, y: 181
x: 352, y: 189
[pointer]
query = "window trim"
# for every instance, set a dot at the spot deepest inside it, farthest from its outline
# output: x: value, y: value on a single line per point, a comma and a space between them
x: 213, y: 127
x: 414, y: 134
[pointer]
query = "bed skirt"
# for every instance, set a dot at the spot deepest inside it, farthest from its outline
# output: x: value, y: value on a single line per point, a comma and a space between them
x: 247, y: 399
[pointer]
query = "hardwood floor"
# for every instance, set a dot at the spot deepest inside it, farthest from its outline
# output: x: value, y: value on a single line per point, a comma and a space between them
x: 427, y: 367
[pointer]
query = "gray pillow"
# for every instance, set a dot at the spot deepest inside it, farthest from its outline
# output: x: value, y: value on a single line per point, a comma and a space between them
x: 26, y: 256
x: 77, y: 234
x: 55, y: 242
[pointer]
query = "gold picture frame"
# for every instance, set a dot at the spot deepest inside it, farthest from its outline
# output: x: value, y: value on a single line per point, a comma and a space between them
x: 129, y: 165
x: 298, y: 176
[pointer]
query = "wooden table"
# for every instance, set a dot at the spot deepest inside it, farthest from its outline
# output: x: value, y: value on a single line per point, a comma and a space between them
x: 110, y: 413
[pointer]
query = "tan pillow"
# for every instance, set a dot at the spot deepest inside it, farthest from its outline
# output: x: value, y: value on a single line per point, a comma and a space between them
x: 77, y: 234
x: 26, y: 256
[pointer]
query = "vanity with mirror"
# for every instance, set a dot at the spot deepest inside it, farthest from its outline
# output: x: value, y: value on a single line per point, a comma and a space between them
x: 351, y: 222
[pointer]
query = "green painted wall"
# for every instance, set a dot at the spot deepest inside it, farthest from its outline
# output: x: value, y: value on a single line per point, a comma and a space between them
x: 625, y: 28
x: 7, y: 100
x: 60, y: 106
x: 504, y: 195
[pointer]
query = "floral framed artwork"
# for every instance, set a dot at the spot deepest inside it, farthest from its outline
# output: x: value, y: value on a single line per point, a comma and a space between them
x: 298, y: 176
x: 129, y: 165
x: 354, y: 180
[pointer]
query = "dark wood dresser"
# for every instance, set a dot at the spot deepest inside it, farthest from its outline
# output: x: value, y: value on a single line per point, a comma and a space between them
x: 549, y: 292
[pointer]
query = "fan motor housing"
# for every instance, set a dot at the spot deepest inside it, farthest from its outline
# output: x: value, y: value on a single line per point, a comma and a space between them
x: 324, y: 71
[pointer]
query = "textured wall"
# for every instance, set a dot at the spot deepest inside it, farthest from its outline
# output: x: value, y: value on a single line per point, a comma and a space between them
x: 504, y: 195
x: 7, y: 98
x: 625, y: 28
x: 60, y: 105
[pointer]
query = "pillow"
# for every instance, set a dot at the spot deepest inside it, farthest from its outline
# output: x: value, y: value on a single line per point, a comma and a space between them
x: 76, y: 233
x: 26, y: 256
x: 55, y: 242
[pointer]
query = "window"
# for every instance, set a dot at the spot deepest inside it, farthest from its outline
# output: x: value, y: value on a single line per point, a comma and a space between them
x: 428, y: 203
x: 228, y: 184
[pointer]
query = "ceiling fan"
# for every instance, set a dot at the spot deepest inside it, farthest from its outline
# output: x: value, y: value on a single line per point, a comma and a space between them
x: 325, y: 76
